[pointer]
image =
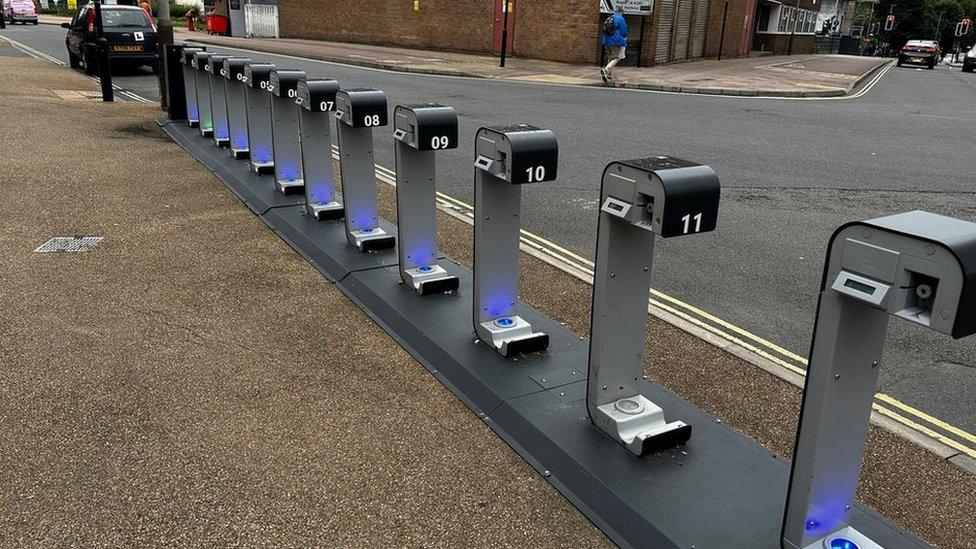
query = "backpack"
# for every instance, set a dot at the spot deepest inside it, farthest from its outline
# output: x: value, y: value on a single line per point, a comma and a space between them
x: 609, y: 26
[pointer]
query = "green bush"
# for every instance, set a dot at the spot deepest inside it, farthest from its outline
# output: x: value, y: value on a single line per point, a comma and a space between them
x: 178, y: 11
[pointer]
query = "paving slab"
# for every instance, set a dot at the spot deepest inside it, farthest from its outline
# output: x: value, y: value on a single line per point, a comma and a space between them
x: 194, y: 382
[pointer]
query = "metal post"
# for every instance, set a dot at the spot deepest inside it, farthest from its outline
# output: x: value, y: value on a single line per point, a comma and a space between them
x: 164, y: 37
x: 283, y: 87
x: 505, y: 157
x: 358, y: 112
x: 721, y: 36
x: 234, y: 94
x: 638, y: 199
x: 789, y: 46
x: 917, y: 266
x: 640, y: 50
x: 258, y: 100
x: 418, y: 132
x: 505, y: 6
x: 104, y: 65
x: 218, y: 104
x: 190, y: 86
x: 317, y: 99
x: 176, y: 106
x: 202, y: 86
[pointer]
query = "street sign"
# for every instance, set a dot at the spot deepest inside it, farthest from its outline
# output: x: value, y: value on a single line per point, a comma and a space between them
x: 889, y: 22
x: 630, y: 7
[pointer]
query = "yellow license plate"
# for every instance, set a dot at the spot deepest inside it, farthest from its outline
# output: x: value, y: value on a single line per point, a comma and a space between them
x: 127, y: 48
x: 916, y: 59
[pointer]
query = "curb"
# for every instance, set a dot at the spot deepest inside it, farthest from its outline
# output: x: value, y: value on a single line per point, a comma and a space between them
x: 671, y: 88
x: 868, y: 75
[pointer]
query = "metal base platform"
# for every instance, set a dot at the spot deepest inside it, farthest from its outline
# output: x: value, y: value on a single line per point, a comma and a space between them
x: 719, y: 490
x: 256, y: 191
x: 324, y: 244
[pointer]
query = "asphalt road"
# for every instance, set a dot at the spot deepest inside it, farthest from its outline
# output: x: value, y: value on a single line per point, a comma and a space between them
x: 791, y: 171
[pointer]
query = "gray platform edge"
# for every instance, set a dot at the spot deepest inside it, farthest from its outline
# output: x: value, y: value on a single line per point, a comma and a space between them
x: 635, y: 539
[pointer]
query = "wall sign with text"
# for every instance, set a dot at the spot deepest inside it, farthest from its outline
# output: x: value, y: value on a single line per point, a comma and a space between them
x: 631, y: 7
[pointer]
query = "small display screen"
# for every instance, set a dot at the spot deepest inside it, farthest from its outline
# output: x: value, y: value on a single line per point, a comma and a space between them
x: 860, y: 286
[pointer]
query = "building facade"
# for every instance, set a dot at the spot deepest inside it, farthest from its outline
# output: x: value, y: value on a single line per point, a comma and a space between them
x: 558, y: 30
x: 786, y: 27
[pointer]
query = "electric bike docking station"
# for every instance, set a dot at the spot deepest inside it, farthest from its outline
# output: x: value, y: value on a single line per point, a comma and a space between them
x: 917, y: 266
x: 190, y: 86
x: 316, y: 100
x: 358, y: 112
x: 218, y: 101
x: 283, y: 87
x: 505, y: 158
x: 638, y: 199
x: 234, y: 91
x: 201, y: 84
x: 418, y: 131
x: 721, y: 489
x: 256, y: 79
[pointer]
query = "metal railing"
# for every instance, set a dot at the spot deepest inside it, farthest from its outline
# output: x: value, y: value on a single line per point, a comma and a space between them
x: 261, y: 21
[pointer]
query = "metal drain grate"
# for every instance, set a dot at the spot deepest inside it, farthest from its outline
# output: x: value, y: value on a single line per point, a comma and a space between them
x: 69, y: 244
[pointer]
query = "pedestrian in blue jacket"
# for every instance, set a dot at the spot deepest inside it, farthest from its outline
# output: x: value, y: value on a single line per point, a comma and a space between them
x: 614, y: 41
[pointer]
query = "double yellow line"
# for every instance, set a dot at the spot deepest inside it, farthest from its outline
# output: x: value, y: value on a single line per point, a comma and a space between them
x: 885, y: 405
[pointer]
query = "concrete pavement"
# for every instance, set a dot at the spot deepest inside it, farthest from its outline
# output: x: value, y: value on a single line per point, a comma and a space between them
x: 192, y: 381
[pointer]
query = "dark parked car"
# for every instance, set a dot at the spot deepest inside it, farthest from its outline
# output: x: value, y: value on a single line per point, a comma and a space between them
x: 130, y: 35
x: 920, y: 52
x: 969, y: 62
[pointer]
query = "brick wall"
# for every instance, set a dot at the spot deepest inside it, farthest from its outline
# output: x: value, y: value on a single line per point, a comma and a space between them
x: 779, y: 43
x: 739, y: 20
x: 458, y: 25
x: 558, y: 30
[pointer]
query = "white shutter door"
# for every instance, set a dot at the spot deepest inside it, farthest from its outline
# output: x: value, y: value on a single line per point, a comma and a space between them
x: 682, y: 31
x: 701, y: 27
x: 665, y: 22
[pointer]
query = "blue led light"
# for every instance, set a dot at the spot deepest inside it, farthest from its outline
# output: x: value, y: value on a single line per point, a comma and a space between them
x: 320, y: 192
x: 287, y: 172
x: 261, y: 155
x: 424, y: 269
x: 505, y: 322
x: 366, y: 231
x: 842, y: 543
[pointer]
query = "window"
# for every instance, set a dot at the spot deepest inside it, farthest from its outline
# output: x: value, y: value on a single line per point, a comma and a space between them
x: 124, y: 18
x: 784, y: 18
